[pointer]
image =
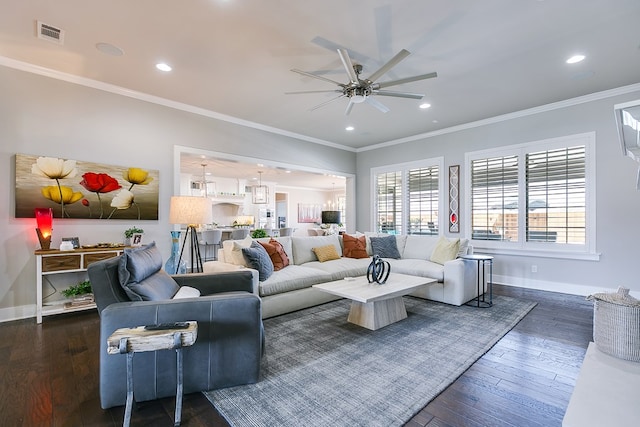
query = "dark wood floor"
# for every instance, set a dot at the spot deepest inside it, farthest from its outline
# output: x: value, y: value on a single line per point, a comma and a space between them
x: 49, y: 374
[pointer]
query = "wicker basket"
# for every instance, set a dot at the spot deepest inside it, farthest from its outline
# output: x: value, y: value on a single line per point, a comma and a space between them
x: 616, y: 324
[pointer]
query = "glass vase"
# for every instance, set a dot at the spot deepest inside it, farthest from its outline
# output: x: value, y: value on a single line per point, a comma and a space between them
x: 172, y: 266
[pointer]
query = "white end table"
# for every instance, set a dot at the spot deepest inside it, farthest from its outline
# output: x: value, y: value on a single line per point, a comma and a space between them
x: 151, y: 338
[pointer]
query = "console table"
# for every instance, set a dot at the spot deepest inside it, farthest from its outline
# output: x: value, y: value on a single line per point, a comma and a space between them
x: 61, y: 262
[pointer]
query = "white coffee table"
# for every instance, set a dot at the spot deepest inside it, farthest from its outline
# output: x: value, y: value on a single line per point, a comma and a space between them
x: 374, y: 306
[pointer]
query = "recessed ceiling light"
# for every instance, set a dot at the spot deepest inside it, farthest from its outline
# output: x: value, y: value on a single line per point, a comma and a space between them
x: 575, y: 58
x: 425, y: 106
x: 349, y: 128
x: 109, y: 49
x: 163, y: 67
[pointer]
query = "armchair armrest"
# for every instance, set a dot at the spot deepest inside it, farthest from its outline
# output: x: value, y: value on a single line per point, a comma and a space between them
x: 215, y: 283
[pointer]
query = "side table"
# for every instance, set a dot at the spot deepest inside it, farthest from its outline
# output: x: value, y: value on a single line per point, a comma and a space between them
x: 482, y: 261
x: 151, y: 338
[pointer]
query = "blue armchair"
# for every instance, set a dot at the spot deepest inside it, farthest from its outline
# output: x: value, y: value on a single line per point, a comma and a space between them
x: 227, y: 351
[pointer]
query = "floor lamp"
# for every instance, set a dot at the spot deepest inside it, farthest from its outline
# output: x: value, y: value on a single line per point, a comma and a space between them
x: 192, y: 211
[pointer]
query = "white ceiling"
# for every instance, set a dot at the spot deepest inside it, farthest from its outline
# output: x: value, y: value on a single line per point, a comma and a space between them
x: 234, y: 57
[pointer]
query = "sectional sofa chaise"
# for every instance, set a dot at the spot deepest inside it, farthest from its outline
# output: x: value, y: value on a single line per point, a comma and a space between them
x: 290, y: 288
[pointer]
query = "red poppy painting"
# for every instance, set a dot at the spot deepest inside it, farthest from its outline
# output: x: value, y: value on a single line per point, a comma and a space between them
x: 78, y: 189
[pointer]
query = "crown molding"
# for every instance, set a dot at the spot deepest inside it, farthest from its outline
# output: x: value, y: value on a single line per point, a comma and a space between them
x: 118, y: 90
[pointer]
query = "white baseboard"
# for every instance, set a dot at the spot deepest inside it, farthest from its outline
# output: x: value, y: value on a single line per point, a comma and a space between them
x: 565, y: 288
x: 17, y: 313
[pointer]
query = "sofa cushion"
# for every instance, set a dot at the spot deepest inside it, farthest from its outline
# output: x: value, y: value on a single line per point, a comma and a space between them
x: 141, y: 275
x: 233, y: 250
x: 258, y: 259
x: 277, y: 254
x: 303, y: 247
x: 445, y: 250
x: 419, y: 247
x: 385, y: 247
x: 342, y: 267
x: 326, y: 253
x: 418, y: 267
x: 354, y: 247
x: 292, y: 278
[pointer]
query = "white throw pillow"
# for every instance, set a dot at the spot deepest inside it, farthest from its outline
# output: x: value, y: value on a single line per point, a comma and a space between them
x: 186, y: 292
x: 237, y: 257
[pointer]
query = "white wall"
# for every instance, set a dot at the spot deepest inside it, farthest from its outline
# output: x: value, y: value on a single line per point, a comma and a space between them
x: 44, y: 116
x: 618, y: 202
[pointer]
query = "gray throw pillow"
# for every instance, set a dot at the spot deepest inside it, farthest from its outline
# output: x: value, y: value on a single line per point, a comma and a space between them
x: 258, y: 259
x: 385, y: 247
x: 141, y: 275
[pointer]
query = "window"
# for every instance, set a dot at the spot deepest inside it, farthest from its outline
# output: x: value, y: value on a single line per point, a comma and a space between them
x: 533, y: 196
x: 407, y: 198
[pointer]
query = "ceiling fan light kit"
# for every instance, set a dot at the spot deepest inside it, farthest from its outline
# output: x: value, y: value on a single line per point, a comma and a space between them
x: 363, y: 90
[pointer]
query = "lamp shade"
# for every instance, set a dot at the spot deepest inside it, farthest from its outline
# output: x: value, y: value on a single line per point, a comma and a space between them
x: 44, y: 226
x: 190, y: 210
x: 331, y: 217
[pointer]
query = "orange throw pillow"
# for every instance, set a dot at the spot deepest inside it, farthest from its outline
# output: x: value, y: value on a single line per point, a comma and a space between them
x: 277, y: 254
x: 355, y: 247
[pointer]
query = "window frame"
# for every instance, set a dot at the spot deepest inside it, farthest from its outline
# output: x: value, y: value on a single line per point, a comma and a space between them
x: 533, y: 248
x: 404, y: 168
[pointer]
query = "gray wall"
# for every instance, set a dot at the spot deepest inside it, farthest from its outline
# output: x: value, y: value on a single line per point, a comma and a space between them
x: 44, y: 116
x: 618, y: 202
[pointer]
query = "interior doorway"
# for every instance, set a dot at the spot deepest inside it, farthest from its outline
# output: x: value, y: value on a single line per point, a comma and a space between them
x: 282, y: 210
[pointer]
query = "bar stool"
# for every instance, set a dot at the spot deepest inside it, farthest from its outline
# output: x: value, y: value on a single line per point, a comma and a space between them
x: 210, y: 239
x: 239, y: 233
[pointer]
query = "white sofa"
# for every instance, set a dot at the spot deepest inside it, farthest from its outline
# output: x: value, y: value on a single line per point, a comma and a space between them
x: 290, y: 288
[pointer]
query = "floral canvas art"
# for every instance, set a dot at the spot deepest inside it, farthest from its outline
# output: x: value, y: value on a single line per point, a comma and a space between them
x: 78, y: 189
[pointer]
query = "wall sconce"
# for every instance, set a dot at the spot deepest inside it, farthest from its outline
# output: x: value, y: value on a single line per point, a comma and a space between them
x: 44, y: 221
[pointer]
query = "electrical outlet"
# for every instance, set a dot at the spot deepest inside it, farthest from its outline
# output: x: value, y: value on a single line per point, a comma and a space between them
x: 534, y: 268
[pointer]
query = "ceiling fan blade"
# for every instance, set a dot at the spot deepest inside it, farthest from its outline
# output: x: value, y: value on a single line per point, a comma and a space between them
x: 399, y: 94
x: 379, y: 105
x: 405, y: 80
x: 326, y: 102
x: 313, y: 91
x: 304, y: 73
x: 349, y: 107
x: 389, y: 65
x: 348, y: 65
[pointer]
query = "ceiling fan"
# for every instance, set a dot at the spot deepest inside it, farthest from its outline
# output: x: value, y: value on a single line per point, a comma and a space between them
x: 360, y: 90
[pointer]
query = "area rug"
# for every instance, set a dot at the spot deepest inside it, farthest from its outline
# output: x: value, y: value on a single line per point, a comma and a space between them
x: 320, y: 370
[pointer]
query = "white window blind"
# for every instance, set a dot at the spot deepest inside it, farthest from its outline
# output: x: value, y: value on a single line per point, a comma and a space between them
x: 407, y: 197
x: 389, y: 202
x: 556, y: 196
x: 494, y: 198
x: 423, y: 200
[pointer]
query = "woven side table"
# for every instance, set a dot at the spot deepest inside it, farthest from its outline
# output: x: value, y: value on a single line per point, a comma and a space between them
x: 140, y: 339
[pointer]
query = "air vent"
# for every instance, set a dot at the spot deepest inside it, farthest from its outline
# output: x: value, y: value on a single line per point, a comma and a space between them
x: 50, y: 33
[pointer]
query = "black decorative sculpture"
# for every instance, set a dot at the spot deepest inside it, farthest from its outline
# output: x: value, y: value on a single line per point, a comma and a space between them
x: 378, y: 271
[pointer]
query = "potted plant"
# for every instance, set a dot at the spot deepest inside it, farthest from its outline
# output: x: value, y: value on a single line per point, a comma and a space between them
x: 259, y: 233
x: 129, y: 232
x: 82, y: 288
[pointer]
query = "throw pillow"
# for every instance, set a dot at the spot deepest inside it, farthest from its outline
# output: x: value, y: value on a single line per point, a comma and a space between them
x: 445, y: 250
x: 326, y: 253
x: 258, y: 259
x: 186, y: 292
x: 385, y: 247
x: 277, y: 254
x: 355, y: 247
x: 237, y: 257
x: 141, y: 275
